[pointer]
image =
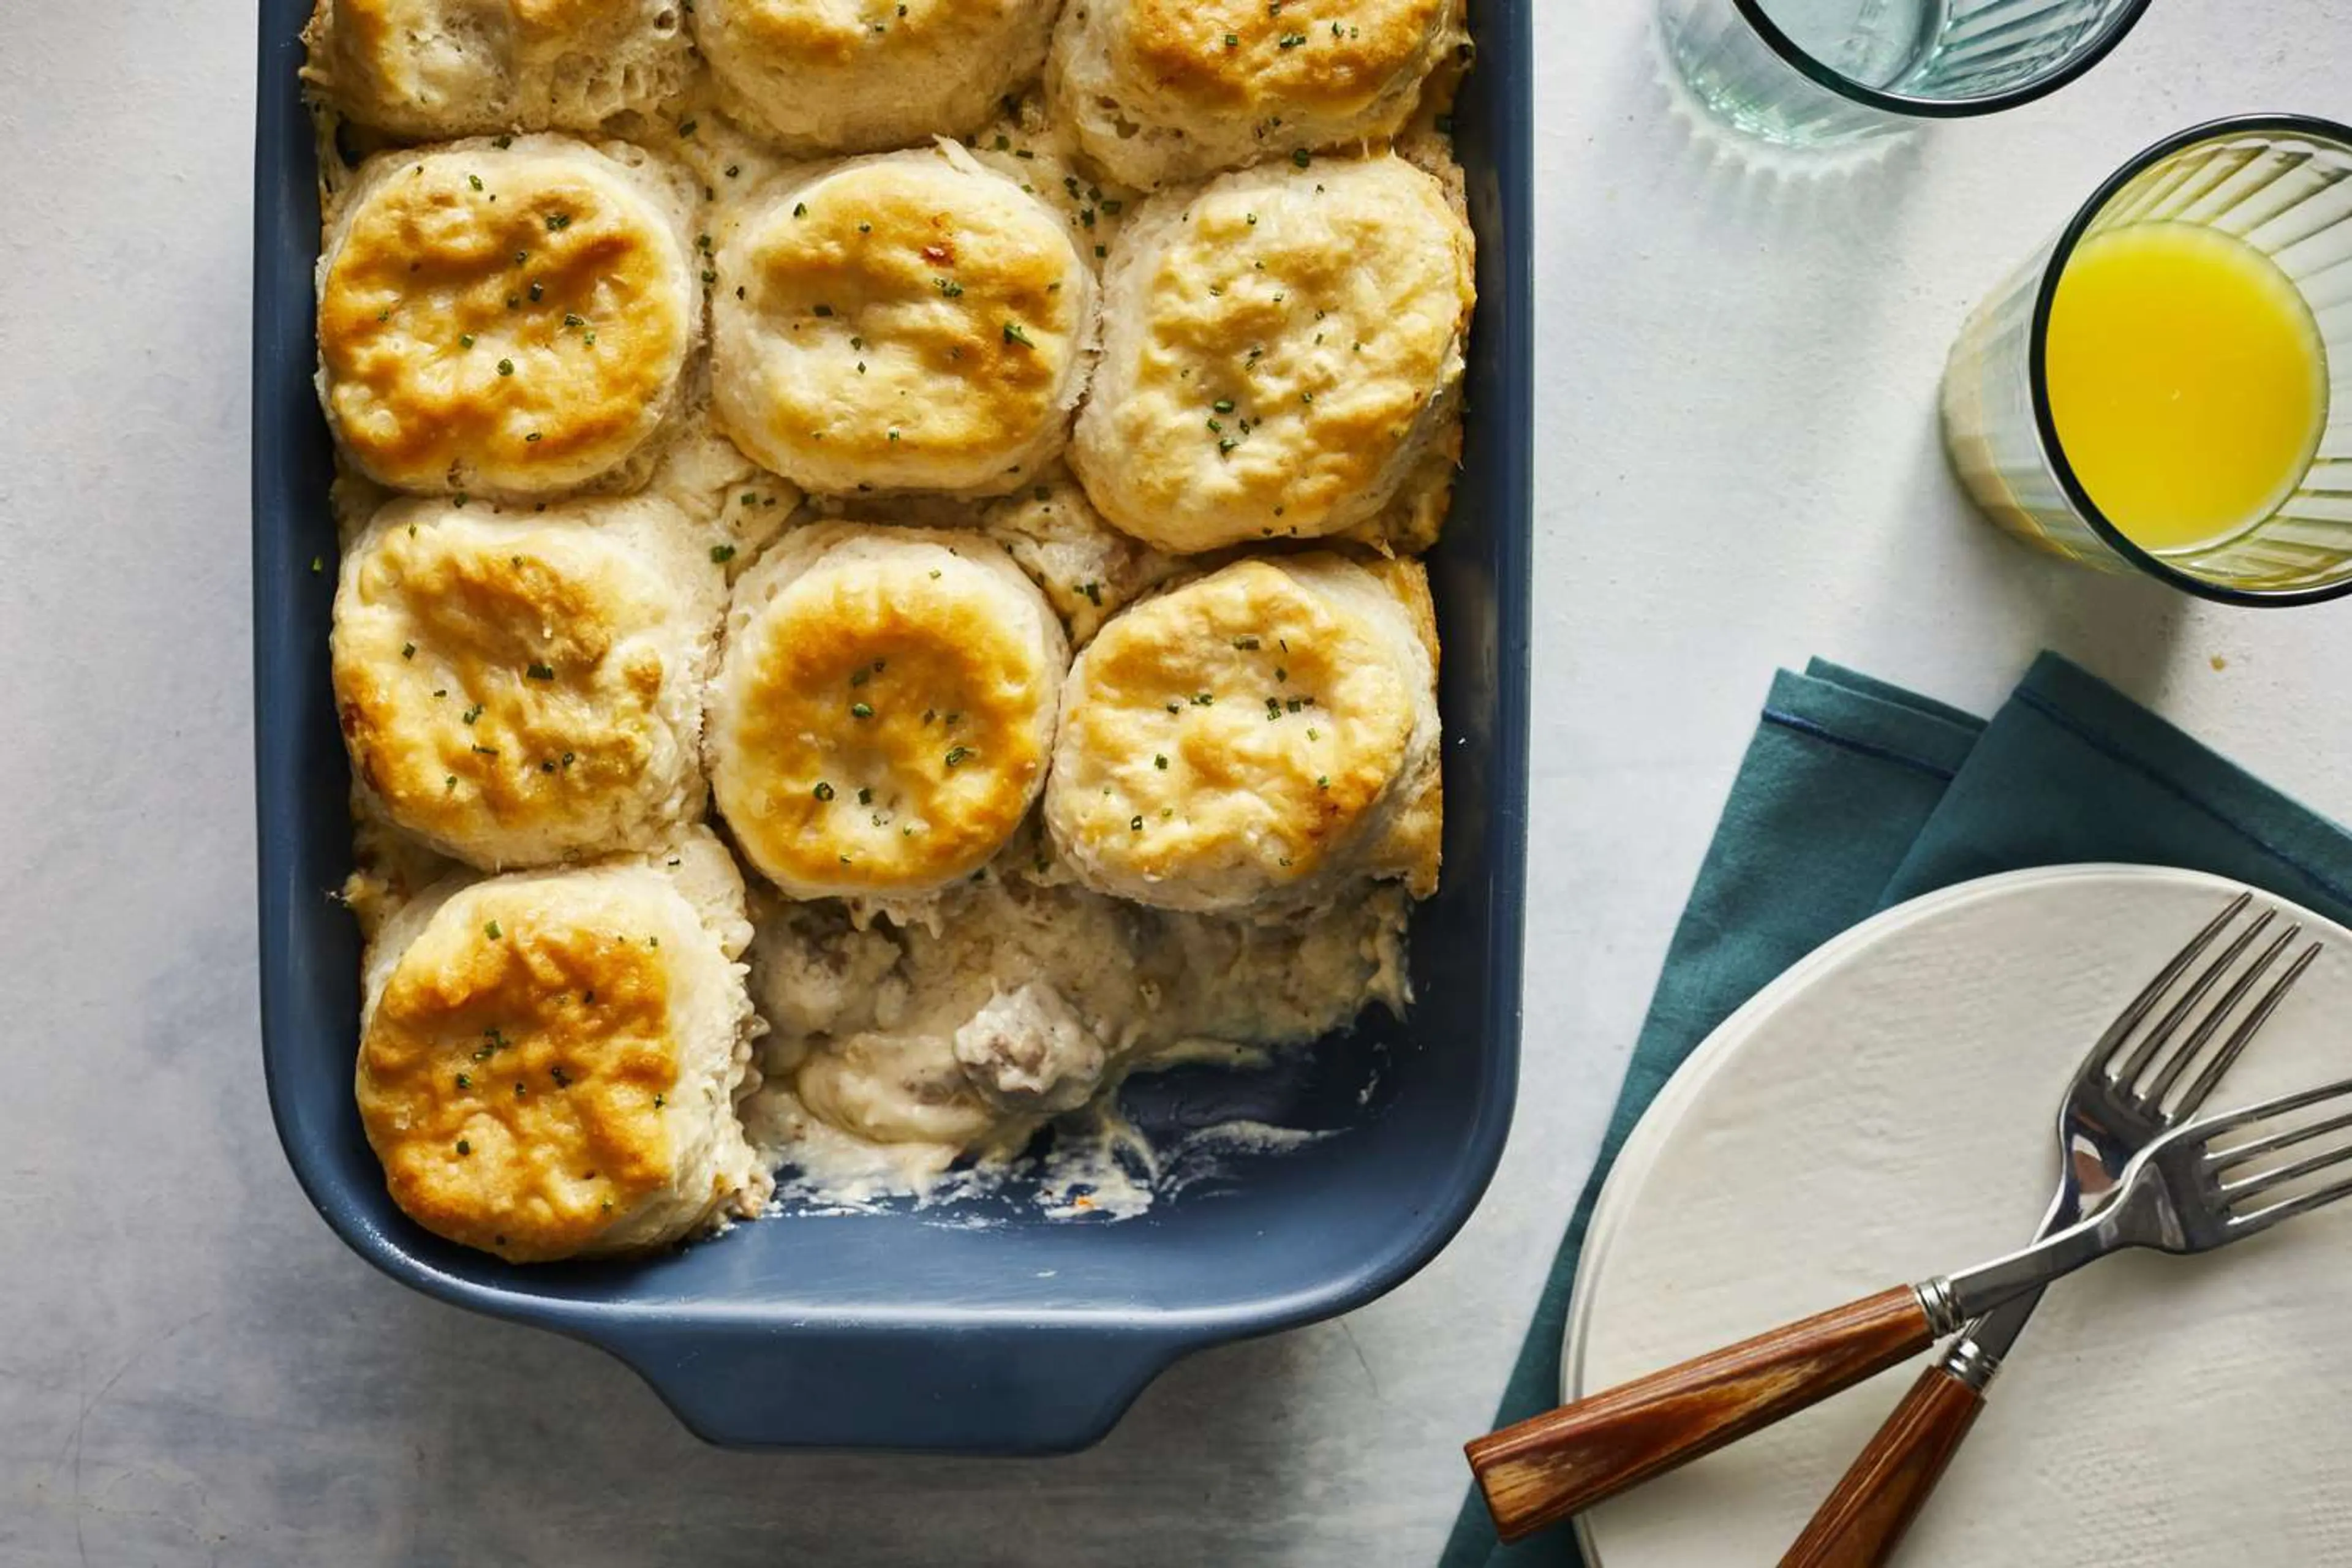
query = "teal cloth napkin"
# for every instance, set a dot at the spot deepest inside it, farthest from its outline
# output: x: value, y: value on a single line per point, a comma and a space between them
x: 1856, y: 795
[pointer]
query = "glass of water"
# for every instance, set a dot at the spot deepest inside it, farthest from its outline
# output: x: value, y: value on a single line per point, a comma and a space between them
x: 1819, y: 73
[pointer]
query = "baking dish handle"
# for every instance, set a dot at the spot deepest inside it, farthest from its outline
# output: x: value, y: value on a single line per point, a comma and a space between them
x: 985, y: 1387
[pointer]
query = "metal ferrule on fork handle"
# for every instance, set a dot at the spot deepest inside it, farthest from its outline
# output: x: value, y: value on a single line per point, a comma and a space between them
x: 1973, y: 1365
x: 1943, y: 1315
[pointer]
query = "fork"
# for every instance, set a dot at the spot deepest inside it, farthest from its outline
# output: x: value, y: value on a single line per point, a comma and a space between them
x: 2120, y: 1101
x: 1544, y: 1469
x: 2177, y: 1196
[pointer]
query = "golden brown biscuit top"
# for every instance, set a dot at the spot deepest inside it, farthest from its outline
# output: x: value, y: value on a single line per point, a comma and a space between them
x: 558, y: 15
x: 515, y: 1072
x: 1300, y: 325
x: 1234, y: 56
x: 371, y: 32
x: 503, y: 677
x: 380, y: 27
x: 522, y: 315
x: 841, y: 33
x: 1238, y: 722
x: 911, y: 311
x: 888, y: 732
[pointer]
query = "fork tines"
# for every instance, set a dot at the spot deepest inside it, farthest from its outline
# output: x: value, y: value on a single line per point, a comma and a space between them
x: 2238, y: 1193
x: 2146, y: 1072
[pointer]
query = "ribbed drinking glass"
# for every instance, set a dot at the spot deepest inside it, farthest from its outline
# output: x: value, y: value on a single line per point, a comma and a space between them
x: 2281, y: 184
x: 1811, y: 73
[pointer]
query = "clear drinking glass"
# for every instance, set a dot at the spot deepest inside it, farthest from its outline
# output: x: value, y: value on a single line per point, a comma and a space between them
x: 2281, y: 184
x: 1813, y: 73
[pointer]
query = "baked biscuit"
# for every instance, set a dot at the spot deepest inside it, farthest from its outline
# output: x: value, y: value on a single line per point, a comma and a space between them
x: 506, y: 321
x: 522, y: 688
x: 432, y: 70
x: 548, y: 1061
x: 1281, y: 347
x: 1257, y: 738
x: 908, y: 321
x: 884, y: 710
x: 1160, y: 90
x: 856, y: 76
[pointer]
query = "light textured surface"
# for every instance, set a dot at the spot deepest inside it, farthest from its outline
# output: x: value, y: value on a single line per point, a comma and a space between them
x: 1925, y: 1159
x: 1739, y: 467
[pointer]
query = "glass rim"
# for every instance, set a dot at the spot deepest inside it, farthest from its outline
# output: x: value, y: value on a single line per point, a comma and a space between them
x: 2045, y: 297
x: 1913, y: 107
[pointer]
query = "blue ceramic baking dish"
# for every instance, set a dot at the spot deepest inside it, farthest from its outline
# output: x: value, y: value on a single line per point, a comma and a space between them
x: 926, y: 1330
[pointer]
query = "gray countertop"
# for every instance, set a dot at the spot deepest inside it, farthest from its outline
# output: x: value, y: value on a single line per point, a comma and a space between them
x: 1741, y: 468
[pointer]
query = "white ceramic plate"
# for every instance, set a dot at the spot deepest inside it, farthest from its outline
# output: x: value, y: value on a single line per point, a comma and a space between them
x: 1883, y: 1113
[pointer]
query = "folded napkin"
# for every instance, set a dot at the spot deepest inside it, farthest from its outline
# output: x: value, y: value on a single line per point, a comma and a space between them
x: 1856, y: 795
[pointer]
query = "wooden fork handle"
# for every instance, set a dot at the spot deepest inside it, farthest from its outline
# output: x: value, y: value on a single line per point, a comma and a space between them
x: 1544, y: 1469
x: 1865, y: 1520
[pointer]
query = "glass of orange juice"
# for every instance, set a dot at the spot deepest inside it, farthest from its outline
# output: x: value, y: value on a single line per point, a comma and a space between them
x: 2153, y: 390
